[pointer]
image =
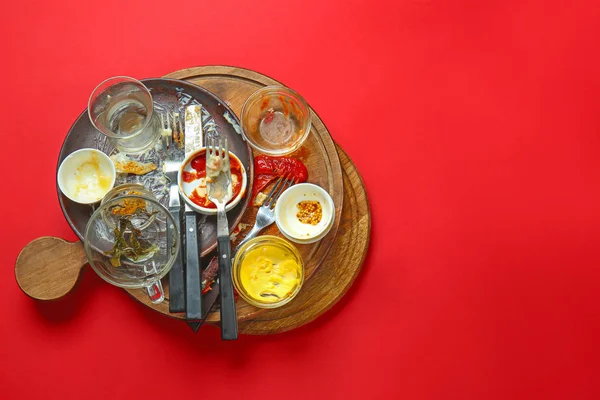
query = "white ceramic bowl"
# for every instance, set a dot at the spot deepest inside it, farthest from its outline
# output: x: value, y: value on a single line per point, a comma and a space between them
x: 187, y: 188
x: 86, y: 176
x: 286, y: 210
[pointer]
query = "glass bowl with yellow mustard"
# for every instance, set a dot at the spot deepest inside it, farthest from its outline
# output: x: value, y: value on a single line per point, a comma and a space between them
x: 268, y: 271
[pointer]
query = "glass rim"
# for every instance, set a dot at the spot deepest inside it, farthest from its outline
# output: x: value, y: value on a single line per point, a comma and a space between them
x: 265, y: 90
x: 241, y: 252
x: 110, y: 195
x: 87, y: 247
x: 149, y: 112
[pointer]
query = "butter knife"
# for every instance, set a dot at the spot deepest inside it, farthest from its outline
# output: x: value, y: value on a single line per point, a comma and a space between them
x: 193, y: 277
x: 176, y: 275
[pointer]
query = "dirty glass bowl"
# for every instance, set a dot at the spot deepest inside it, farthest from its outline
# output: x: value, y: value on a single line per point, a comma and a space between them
x: 126, y: 189
x: 275, y: 120
x: 127, y: 243
x: 260, y: 262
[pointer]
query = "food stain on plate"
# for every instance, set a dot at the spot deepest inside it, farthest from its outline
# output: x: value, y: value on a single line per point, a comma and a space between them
x: 233, y: 123
x: 125, y: 165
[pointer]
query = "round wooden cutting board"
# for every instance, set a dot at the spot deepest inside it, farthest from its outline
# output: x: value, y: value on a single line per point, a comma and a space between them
x: 339, y: 270
x: 318, y: 153
x: 344, y: 260
x: 49, y: 267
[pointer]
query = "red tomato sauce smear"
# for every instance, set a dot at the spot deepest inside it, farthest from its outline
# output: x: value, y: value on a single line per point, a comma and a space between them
x: 198, y: 163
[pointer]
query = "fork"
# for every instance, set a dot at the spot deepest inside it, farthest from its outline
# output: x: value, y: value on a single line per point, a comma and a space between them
x: 219, y: 191
x: 166, y: 131
x: 266, y: 214
x: 171, y: 131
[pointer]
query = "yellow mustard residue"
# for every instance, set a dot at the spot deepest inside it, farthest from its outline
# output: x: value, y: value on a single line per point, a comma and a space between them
x: 270, y: 274
x: 104, y: 183
x: 90, y: 180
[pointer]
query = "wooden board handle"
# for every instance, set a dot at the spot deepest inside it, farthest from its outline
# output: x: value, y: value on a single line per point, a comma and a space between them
x: 49, y: 267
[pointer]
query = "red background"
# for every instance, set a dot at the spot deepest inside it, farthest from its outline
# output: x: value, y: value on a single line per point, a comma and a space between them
x: 476, y: 129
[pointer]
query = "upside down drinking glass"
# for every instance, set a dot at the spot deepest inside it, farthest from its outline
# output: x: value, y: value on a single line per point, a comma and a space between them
x: 122, y: 109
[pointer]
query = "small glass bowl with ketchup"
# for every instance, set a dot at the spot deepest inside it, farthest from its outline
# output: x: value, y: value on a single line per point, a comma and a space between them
x: 192, y: 182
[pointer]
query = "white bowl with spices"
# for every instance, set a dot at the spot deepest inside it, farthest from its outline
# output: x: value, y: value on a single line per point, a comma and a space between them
x: 304, y: 213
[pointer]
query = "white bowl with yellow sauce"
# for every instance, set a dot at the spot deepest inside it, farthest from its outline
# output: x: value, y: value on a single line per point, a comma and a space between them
x: 86, y: 176
x: 304, y: 213
x: 268, y: 271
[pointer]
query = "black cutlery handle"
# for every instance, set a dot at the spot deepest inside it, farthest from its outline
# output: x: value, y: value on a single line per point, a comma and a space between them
x: 193, y: 276
x: 229, y: 327
x: 176, y: 279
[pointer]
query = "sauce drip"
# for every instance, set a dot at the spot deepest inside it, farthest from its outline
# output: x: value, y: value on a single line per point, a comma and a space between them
x: 286, y: 110
x: 265, y: 103
x: 189, y: 177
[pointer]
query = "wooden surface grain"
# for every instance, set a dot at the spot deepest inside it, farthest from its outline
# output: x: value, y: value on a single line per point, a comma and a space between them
x: 48, y: 267
x: 339, y: 270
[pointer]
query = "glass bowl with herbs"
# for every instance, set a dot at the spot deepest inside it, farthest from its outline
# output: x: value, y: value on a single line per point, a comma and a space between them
x: 130, y: 242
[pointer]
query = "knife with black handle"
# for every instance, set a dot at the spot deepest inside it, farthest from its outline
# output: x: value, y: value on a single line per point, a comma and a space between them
x: 176, y: 275
x: 193, y: 274
x: 229, y: 327
x: 193, y: 277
